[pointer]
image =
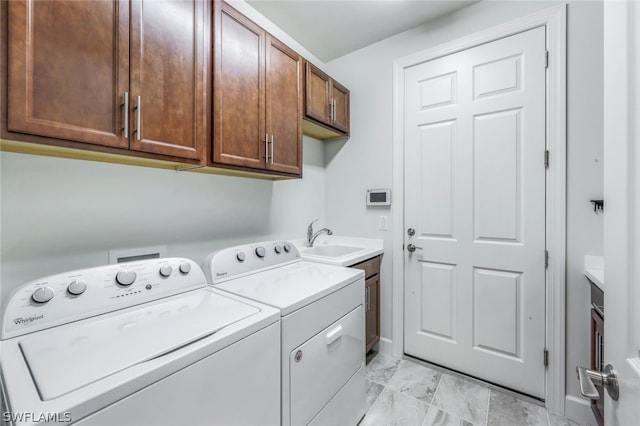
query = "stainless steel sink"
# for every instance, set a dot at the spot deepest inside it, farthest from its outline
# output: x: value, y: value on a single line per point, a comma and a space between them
x: 331, y: 251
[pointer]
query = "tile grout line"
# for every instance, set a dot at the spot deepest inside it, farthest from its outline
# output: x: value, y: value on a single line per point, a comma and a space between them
x: 384, y: 387
x: 437, y: 386
x: 486, y: 419
x: 375, y: 401
x: 442, y: 373
x: 430, y: 404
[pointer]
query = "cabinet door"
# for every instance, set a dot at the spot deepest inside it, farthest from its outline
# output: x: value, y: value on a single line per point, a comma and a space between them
x: 597, y: 362
x: 340, y: 98
x: 239, y: 92
x: 169, y: 77
x: 372, y: 289
x: 317, y: 94
x: 68, y: 69
x: 284, y: 107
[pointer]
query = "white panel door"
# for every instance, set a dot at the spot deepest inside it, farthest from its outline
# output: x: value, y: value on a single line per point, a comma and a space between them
x: 475, y: 195
x: 622, y: 214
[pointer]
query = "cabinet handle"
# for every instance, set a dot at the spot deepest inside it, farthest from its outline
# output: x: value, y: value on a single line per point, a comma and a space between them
x: 367, y: 299
x: 333, y: 335
x: 266, y: 147
x: 139, y: 119
x: 333, y: 101
x: 330, y: 109
x: 271, y: 149
x: 596, y: 362
x: 126, y: 115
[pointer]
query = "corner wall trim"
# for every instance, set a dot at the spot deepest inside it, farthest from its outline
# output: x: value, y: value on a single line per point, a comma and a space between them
x: 555, y: 21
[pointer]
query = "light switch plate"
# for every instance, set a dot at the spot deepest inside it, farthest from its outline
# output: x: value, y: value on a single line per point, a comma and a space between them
x: 383, y: 223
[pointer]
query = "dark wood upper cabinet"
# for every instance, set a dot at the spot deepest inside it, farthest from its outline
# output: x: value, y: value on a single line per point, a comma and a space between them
x: 284, y: 107
x: 318, y: 94
x: 68, y: 69
x: 326, y: 105
x: 167, y: 82
x: 169, y: 41
x: 257, y: 96
x: 340, y: 96
x: 73, y: 64
x: 239, y: 136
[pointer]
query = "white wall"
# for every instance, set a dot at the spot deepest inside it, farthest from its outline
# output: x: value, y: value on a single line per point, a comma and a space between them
x: 365, y: 160
x: 59, y: 214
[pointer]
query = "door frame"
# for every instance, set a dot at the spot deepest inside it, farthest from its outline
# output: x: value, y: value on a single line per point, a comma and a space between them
x: 554, y: 19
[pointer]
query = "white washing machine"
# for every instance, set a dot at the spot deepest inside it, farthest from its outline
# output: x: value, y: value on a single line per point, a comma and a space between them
x: 140, y: 343
x: 323, y: 328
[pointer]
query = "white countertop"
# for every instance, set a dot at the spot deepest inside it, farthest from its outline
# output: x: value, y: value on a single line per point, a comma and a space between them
x: 369, y: 247
x: 594, y: 270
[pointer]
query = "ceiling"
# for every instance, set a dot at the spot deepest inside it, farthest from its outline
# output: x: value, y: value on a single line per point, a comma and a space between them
x: 332, y: 28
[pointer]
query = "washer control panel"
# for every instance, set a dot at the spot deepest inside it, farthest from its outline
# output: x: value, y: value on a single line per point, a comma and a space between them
x: 75, y: 295
x: 234, y: 262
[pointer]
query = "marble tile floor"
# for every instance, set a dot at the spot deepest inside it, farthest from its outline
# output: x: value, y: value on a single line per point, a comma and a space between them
x: 408, y: 393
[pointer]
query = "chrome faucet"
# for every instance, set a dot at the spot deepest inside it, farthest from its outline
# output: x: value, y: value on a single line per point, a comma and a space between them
x: 311, y: 237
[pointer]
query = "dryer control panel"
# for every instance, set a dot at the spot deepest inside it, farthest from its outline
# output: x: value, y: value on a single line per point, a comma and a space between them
x: 75, y: 295
x: 238, y: 261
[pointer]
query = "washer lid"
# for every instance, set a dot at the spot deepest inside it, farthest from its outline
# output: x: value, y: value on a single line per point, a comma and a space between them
x: 67, y: 358
x: 292, y: 286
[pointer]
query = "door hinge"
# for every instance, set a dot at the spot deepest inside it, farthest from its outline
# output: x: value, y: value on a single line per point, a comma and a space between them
x: 546, y: 159
x: 546, y: 59
x: 546, y: 259
x: 546, y: 357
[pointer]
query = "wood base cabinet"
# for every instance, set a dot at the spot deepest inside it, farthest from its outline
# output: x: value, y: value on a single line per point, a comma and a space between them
x: 597, y: 347
x: 326, y: 104
x: 257, y: 106
x: 372, y: 305
x: 371, y: 268
x: 82, y: 71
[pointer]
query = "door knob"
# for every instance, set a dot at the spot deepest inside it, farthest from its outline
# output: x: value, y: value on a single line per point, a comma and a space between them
x: 411, y: 232
x: 412, y: 247
x: 589, y: 379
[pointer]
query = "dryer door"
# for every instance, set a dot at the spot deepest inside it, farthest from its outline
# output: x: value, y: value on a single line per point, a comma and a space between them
x: 322, y: 365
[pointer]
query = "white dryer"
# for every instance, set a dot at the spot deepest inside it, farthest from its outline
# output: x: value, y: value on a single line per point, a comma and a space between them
x: 323, y: 329
x: 141, y: 343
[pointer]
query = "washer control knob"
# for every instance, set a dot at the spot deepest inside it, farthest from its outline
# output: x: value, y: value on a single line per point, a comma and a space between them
x: 260, y: 252
x: 185, y: 268
x: 126, y: 277
x: 287, y: 247
x: 42, y: 295
x: 277, y: 249
x: 166, y: 270
x: 240, y: 256
x: 77, y: 287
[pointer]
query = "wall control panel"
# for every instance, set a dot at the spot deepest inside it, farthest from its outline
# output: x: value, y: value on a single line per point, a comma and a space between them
x: 378, y: 197
x: 75, y: 295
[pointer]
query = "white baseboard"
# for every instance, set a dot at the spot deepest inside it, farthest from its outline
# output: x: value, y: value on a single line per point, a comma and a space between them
x: 579, y: 410
x: 385, y: 347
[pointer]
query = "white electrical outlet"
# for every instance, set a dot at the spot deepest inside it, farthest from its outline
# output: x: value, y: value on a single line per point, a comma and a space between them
x: 383, y: 225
